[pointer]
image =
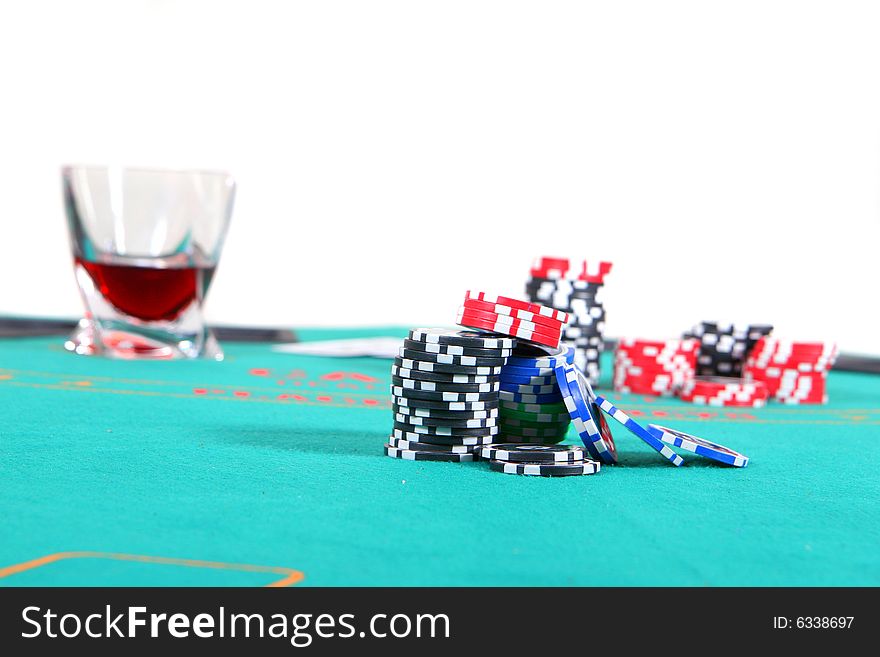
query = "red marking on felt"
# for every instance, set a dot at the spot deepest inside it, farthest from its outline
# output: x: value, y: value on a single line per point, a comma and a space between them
x: 660, y: 413
x: 705, y: 415
x: 348, y: 400
x: 283, y: 395
x: 334, y: 376
x: 297, y: 383
x: 312, y: 384
x: 241, y: 393
x: 219, y: 392
x: 297, y: 374
x: 371, y: 402
x: 281, y: 382
x: 200, y: 391
x: 636, y: 414
x: 740, y: 416
x: 363, y: 377
x: 259, y: 371
x: 324, y: 398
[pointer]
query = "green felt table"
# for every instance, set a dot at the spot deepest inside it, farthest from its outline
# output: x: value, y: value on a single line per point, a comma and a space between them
x: 267, y: 468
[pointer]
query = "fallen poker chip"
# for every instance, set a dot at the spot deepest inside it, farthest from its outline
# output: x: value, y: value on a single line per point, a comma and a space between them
x: 588, y: 421
x: 546, y: 469
x: 639, y: 431
x: 533, y: 453
x: 461, y: 338
x: 699, y: 446
x: 412, y: 445
x: 419, y: 455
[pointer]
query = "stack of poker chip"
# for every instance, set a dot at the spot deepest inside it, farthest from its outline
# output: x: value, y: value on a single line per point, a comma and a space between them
x: 532, y: 407
x: 654, y: 367
x: 574, y: 288
x: 724, y: 346
x: 445, y: 394
x: 539, y: 460
x: 724, y: 391
x: 793, y: 372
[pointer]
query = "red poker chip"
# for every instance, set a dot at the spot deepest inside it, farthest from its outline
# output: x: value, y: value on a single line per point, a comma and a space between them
x: 725, y: 391
x: 502, y: 309
x: 671, y: 366
x: 563, y: 268
x: 651, y: 347
x: 508, y: 321
x: 515, y: 329
x: 519, y: 304
x: 757, y: 402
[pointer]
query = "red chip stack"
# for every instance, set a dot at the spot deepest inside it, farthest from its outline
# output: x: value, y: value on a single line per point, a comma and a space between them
x: 724, y: 391
x: 513, y: 317
x: 654, y: 367
x: 794, y: 372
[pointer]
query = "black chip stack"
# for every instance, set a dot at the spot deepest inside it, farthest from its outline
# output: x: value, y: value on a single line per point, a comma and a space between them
x: 724, y: 346
x: 552, y: 282
x: 444, y: 387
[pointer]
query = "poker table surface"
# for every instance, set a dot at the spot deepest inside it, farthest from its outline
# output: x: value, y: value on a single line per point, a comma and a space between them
x: 267, y: 469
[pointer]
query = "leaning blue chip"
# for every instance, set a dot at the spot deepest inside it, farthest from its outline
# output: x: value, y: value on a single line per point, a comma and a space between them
x: 699, y: 446
x: 585, y: 415
x: 638, y: 430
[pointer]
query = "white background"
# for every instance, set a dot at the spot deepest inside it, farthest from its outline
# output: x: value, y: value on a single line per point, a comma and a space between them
x: 725, y: 156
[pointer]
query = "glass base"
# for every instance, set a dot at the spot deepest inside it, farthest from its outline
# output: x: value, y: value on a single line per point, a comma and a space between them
x: 88, y: 340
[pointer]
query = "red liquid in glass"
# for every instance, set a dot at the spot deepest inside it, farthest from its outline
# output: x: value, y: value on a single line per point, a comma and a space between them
x: 149, y: 293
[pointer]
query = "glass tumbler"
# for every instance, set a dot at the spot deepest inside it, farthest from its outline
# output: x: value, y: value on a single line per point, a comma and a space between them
x: 145, y: 247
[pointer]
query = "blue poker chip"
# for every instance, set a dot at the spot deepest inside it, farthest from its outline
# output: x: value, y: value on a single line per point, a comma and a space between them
x: 529, y: 389
x: 588, y: 420
x: 528, y: 380
x: 543, y: 357
x: 525, y: 370
x: 699, y: 446
x: 525, y: 398
x: 640, y: 431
